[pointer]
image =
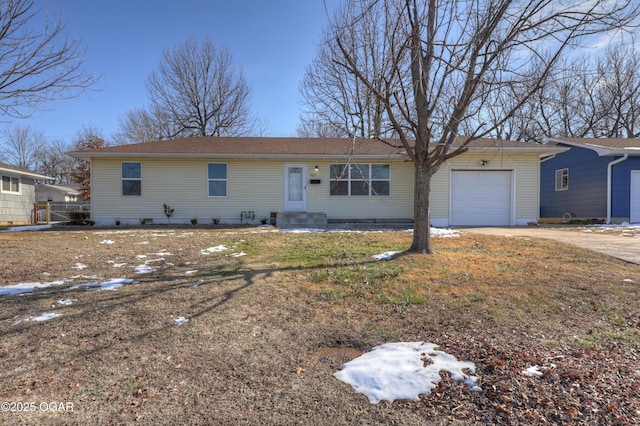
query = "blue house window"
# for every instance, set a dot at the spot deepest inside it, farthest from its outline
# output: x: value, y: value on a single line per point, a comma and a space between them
x: 359, y: 179
x: 217, y: 178
x: 562, y: 179
x: 131, y: 179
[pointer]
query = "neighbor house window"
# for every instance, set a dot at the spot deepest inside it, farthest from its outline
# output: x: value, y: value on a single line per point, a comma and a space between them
x: 132, y: 179
x: 10, y: 185
x: 359, y: 179
x: 217, y: 177
x: 562, y: 179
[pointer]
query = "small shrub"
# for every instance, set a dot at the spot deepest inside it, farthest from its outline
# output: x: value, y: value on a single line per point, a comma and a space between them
x: 168, y: 211
x: 79, y: 217
x: 216, y: 220
x: 194, y: 221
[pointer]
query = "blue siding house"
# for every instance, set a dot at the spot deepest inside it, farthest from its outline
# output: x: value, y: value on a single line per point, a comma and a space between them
x: 595, y: 179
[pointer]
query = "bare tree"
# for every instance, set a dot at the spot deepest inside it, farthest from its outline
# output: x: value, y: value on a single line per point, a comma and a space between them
x: 21, y: 146
x: 36, y: 66
x: 334, y: 99
x: 447, y: 57
x: 198, y: 91
x: 53, y: 161
x: 138, y: 126
x: 563, y: 106
x: 309, y: 127
x: 89, y: 137
x: 590, y: 96
x: 618, y: 93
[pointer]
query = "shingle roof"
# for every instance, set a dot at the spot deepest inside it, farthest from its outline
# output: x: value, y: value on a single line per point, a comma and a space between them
x: 604, y: 145
x: 22, y: 172
x: 278, y: 147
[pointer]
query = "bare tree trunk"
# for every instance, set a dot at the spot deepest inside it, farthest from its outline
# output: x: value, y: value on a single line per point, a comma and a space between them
x: 422, y: 211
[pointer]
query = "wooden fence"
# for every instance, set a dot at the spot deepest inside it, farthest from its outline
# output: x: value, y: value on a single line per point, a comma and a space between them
x: 54, y: 211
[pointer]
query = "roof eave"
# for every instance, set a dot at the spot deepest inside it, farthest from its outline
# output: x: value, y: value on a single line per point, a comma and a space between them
x: 602, y: 151
x: 25, y: 174
x: 88, y: 156
x: 537, y: 149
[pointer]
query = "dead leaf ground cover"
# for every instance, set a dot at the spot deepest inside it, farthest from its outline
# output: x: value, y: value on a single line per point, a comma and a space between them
x: 263, y: 307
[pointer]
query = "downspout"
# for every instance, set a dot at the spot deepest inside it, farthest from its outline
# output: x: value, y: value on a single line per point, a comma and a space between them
x: 609, y: 167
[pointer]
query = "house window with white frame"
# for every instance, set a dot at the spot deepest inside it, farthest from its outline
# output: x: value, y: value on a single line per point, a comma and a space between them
x: 359, y: 179
x: 217, y: 179
x: 562, y: 179
x: 132, y: 179
x: 10, y: 185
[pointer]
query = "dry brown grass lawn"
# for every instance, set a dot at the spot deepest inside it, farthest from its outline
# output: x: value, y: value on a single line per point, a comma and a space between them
x: 262, y: 313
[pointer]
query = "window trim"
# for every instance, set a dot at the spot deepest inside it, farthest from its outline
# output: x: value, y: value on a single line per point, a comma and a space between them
x: 11, y: 180
x: 122, y: 179
x: 350, y: 180
x: 562, y: 179
x: 225, y: 180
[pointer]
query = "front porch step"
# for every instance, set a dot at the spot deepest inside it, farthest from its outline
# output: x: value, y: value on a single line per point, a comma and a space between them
x: 301, y: 220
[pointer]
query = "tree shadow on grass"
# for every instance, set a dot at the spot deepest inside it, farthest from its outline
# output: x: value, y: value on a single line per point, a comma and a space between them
x: 211, y: 289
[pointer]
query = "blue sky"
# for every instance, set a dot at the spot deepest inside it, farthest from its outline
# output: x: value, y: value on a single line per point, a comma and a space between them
x: 271, y: 40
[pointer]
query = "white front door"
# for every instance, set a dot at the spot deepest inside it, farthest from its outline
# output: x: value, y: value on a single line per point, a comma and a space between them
x: 295, y: 187
x: 634, y: 205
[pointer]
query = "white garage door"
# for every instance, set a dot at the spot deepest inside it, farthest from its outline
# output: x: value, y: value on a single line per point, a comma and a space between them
x: 635, y: 197
x: 481, y: 198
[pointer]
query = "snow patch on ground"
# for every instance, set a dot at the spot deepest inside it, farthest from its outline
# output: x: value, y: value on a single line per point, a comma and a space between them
x: 181, y: 320
x: 403, y: 370
x: 111, y: 284
x: 533, y: 371
x: 26, y: 287
x: 46, y: 316
x: 386, y: 255
x: 215, y: 249
x: 28, y: 228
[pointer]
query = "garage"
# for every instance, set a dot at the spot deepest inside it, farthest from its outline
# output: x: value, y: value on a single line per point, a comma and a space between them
x: 634, y: 214
x: 481, y: 197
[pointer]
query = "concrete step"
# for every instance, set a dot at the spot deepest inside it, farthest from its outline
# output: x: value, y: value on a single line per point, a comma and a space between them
x: 301, y: 220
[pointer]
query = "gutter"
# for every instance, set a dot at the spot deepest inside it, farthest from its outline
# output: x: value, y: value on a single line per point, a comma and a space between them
x: 609, y: 168
x: 24, y: 173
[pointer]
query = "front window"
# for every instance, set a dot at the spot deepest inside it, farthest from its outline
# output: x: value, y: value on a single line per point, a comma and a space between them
x: 359, y: 179
x: 562, y: 180
x: 217, y: 179
x: 132, y: 179
x: 10, y: 185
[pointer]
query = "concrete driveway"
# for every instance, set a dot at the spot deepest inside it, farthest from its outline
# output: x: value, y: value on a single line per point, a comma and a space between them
x: 611, y: 242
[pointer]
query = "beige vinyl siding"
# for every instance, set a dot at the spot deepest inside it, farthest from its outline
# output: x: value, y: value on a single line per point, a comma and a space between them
x: 183, y: 185
x: 526, y: 177
x: 258, y: 185
x: 398, y: 205
x: 253, y: 185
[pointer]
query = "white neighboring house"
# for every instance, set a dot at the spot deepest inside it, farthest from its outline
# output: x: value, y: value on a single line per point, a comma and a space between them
x: 343, y: 180
x: 18, y: 195
x: 56, y: 193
